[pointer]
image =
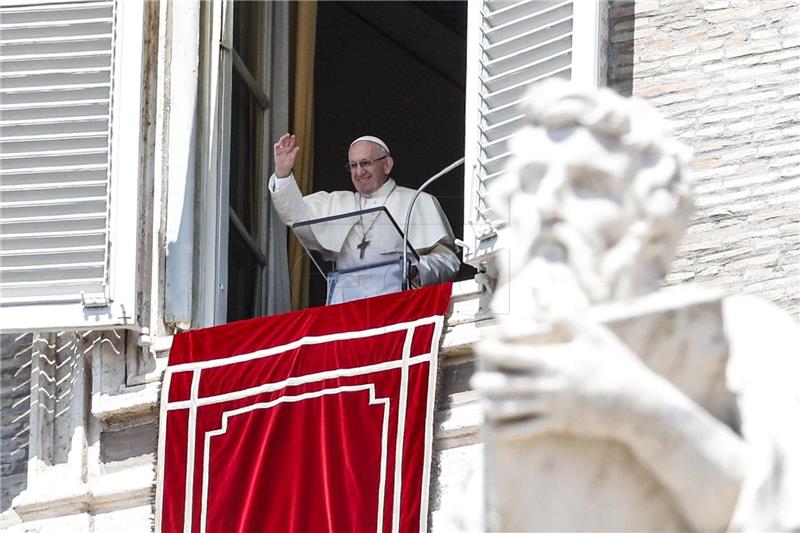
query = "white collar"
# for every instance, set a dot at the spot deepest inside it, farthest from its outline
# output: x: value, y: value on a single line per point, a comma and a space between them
x: 382, y: 192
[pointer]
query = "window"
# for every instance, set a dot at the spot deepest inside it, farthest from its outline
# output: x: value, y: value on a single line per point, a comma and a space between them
x: 69, y: 139
x: 243, y: 272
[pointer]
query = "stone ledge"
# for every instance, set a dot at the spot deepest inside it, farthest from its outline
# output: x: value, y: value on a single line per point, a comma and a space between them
x: 458, y: 426
x: 133, y: 404
x: 122, y: 490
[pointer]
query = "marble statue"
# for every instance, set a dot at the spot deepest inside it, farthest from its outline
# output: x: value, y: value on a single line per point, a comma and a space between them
x: 611, y: 403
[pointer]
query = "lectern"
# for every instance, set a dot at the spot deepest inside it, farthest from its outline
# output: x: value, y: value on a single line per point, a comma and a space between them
x: 359, y: 275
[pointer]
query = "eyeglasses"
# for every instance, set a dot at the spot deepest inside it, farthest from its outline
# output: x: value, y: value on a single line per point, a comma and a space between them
x: 365, y: 164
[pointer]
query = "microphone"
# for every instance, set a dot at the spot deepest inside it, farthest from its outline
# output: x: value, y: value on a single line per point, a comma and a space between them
x: 407, y: 224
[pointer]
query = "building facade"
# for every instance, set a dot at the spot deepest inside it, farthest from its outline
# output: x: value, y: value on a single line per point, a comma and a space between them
x: 135, y: 142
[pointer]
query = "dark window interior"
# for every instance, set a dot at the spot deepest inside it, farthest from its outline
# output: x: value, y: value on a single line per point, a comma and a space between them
x: 396, y: 70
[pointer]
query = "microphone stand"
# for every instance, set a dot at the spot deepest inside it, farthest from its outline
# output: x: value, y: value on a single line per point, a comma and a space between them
x: 408, y: 215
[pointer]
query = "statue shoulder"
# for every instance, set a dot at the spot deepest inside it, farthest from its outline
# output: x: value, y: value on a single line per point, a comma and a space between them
x: 764, y: 342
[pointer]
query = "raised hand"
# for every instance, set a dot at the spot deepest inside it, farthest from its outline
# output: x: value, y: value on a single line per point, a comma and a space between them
x: 285, y: 152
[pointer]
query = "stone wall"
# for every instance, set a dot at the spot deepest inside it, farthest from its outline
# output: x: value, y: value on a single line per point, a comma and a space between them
x: 726, y: 73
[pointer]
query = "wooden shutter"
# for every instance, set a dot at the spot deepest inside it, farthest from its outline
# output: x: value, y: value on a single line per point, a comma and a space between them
x: 511, y: 45
x: 70, y: 161
x: 55, y: 116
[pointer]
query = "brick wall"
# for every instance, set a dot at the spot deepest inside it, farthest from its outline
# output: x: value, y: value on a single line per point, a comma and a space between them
x: 727, y: 73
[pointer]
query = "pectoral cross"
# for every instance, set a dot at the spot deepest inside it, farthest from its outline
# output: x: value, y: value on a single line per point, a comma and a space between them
x: 363, y: 246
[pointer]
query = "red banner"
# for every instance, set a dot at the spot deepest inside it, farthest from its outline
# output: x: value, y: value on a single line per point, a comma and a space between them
x: 317, y: 420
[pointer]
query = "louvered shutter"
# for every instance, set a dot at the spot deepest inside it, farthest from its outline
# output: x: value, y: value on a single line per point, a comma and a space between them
x: 512, y: 44
x: 56, y: 126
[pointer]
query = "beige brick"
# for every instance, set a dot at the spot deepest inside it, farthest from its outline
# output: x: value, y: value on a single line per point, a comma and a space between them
x: 665, y: 88
x: 719, y: 31
x: 664, y: 100
x: 714, y: 6
x: 737, y: 38
x: 781, y: 55
x: 726, y: 15
x: 645, y: 6
x: 678, y: 64
x: 779, y: 149
x: 713, y: 173
x: 726, y: 254
x: 739, y: 87
x: 699, y: 36
x: 705, y: 163
x: 770, y: 33
x: 791, y: 65
x: 681, y: 263
x: 790, y: 30
x: 764, y: 259
x: 781, y: 186
x: 704, y: 148
x: 742, y: 153
x: 702, y: 229
x: 776, y: 4
x: 790, y: 43
x: 706, y: 57
x: 752, y: 48
x: 719, y: 199
x: 728, y: 116
x: 736, y: 100
x: 686, y: 22
x: 783, y: 200
x: 789, y: 212
x: 760, y: 71
x: 661, y: 43
x: 711, y: 44
x: 678, y: 277
x: 750, y: 180
x: 711, y: 131
x: 740, y: 127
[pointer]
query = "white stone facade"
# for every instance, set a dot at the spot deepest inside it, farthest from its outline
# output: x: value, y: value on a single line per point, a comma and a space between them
x: 80, y: 409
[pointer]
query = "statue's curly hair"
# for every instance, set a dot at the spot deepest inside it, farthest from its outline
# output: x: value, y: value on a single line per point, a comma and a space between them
x: 659, y: 188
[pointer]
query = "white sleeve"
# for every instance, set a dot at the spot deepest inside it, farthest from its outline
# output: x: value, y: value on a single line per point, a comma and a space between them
x: 287, y: 199
x: 276, y: 183
x: 440, y: 264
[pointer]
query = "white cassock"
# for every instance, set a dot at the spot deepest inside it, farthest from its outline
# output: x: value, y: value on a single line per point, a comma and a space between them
x: 429, y: 233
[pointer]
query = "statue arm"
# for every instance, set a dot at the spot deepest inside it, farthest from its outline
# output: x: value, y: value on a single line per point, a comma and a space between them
x: 699, y: 459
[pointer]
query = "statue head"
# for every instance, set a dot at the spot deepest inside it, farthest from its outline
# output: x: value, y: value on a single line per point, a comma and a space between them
x: 596, y: 197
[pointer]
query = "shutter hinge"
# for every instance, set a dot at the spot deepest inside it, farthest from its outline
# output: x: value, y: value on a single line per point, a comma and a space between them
x: 95, y: 300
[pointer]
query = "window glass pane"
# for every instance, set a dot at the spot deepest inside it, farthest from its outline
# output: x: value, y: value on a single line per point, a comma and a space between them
x: 243, y: 270
x: 247, y: 33
x: 245, y: 155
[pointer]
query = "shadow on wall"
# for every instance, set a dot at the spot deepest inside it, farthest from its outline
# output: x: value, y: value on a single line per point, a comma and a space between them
x: 15, y: 404
x: 621, y: 37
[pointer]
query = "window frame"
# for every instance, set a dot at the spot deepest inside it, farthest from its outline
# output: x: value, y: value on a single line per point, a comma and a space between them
x: 211, y: 265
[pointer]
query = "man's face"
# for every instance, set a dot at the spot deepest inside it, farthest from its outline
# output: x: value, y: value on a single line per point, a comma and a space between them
x: 579, y: 179
x: 368, y: 177
x: 573, y: 204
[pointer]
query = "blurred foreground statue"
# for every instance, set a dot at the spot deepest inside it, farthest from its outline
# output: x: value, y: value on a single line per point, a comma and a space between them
x: 611, y: 404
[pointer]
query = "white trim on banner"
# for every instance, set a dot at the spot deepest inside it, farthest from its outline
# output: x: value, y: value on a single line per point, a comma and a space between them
x: 373, y: 400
